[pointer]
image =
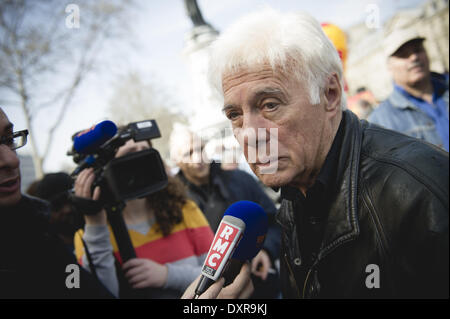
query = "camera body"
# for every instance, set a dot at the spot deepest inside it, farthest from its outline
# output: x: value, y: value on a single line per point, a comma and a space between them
x: 134, y: 175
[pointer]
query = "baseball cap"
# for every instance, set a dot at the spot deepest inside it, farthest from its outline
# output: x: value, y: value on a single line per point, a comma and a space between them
x: 394, y: 40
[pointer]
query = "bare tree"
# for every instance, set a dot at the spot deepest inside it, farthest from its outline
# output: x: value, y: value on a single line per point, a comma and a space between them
x: 47, y: 48
x: 134, y: 100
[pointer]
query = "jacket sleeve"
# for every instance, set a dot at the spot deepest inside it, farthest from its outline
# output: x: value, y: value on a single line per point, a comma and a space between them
x: 411, y: 201
x: 97, y: 239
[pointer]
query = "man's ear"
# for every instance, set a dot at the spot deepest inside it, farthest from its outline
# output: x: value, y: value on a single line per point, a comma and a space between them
x: 333, y: 94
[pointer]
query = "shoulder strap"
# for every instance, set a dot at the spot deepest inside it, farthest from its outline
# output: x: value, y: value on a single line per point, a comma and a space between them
x: 89, y: 258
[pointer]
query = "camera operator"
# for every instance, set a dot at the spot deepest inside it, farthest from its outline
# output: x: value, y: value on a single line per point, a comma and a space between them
x: 33, y: 260
x: 170, y: 235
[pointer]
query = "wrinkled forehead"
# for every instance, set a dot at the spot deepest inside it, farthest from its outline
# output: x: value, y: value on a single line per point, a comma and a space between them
x: 252, y: 73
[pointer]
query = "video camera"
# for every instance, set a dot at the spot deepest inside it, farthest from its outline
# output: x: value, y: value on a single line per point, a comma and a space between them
x: 131, y: 176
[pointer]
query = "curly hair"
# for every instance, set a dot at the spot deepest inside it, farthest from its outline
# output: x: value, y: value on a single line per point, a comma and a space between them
x: 168, y: 204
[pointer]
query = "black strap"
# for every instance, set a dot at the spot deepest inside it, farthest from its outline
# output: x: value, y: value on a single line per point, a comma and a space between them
x: 89, y: 258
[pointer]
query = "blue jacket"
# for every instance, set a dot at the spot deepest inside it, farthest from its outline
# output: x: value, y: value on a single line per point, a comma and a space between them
x: 398, y: 113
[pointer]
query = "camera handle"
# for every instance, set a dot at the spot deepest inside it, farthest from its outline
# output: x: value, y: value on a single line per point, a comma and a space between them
x: 126, y: 249
x: 120, y: 230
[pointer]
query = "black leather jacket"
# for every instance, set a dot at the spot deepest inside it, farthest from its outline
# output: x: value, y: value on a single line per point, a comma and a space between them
x: 390, y: 210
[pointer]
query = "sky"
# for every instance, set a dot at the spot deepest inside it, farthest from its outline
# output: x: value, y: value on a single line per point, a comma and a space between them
x: 159, y: 29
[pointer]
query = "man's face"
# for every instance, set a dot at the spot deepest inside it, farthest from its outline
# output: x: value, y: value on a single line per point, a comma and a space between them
x: 409, y: 65
x: 268, y: 99
x: 9, y: 167
x: 194, y: 164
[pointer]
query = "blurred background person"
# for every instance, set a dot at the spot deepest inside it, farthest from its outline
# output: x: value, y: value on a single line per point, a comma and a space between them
x: 64, y: 220
x: 418, y: 105
x: 170, y: 235
x: 362, y: 103
x: 214, y: 189
x: 362, y: 109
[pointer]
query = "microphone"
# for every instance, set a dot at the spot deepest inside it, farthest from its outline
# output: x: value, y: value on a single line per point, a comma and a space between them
x: 240, y: 236
x: 87, y: 141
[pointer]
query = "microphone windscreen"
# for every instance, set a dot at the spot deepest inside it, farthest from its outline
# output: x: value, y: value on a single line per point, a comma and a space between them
x: 88, y: 141
x: 256, y: 224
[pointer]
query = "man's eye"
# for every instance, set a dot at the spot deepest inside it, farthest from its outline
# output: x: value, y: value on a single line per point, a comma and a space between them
x: 232, y: 115
x: 270, y: 106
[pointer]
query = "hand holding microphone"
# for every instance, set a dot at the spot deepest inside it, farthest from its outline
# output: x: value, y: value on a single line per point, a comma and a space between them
x: 240, y: 288
x: 239, y: 237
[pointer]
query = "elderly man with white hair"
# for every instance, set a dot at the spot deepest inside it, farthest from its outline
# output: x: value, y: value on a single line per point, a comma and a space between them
x: 364, y: 210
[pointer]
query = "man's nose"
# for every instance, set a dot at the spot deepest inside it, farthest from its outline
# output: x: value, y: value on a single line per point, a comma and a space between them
x: 413, y: 56
x: 8, y: 158
x: 253, y: 131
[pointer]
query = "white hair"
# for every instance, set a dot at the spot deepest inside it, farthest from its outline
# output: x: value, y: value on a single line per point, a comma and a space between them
x: 290, y: 42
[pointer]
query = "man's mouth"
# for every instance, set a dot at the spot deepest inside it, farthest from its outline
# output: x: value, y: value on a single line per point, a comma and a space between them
x: 267, y: 161
x: 269, y: 167
x: 10, y: 185
x: 416, y: 67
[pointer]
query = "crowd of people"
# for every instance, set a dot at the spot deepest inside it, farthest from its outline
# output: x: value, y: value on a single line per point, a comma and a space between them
x: 353, y: 193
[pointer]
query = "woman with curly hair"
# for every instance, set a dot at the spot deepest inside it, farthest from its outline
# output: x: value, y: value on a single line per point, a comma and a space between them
x: 169, y: 233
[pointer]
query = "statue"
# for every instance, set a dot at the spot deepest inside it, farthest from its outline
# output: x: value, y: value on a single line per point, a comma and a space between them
x: 194, y: 12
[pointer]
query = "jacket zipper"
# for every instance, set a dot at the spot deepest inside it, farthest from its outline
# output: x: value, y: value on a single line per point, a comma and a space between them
x: 307, y: 277
x: 306, y: 281
x: 292, y: 276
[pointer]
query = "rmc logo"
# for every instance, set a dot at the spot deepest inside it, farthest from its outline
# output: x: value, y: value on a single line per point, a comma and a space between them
x: 222, y: 247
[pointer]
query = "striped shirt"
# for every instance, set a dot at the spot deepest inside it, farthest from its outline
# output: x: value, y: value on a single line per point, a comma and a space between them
x: 182, y: 251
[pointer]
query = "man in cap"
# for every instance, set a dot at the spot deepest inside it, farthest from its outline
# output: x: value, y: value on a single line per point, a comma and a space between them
x: 418, y: 105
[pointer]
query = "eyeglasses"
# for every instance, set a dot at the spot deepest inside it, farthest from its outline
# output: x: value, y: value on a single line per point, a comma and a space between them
x: 16, y: 140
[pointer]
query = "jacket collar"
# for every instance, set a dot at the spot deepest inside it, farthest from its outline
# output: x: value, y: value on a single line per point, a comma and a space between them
x: 399, y: 100
x: 342, y: 223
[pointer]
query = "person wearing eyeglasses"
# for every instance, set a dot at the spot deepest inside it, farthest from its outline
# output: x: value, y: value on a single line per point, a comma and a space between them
x: 34, y: 262
x: 9, y: 162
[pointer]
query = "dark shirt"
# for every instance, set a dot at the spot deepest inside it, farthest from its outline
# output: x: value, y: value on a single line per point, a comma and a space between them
x: 212, y: 198
x: 226, y: 187
x: 311, y: 211
x: 34, y: 261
